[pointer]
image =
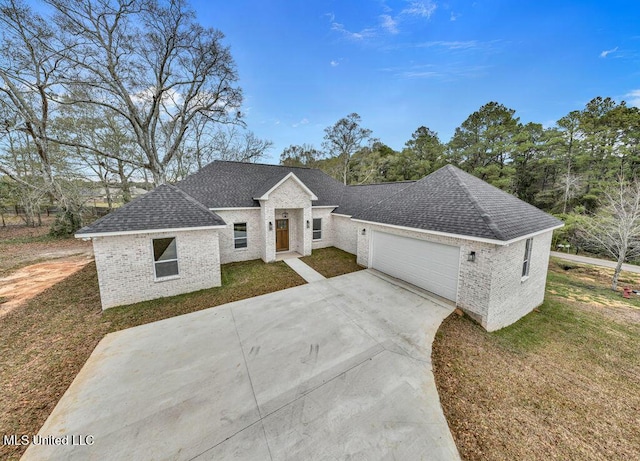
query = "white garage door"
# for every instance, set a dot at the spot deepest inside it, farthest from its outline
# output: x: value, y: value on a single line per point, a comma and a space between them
x: 429, y: 265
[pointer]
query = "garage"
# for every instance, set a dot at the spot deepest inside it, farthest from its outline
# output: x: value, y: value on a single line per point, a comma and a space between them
x: 428, y: 265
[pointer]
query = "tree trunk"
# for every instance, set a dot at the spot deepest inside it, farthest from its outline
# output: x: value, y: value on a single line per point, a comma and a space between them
x: 124, y: 183
x: 616, y: 272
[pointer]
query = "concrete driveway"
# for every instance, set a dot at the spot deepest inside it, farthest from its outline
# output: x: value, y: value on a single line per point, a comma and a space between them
x: 332, y: 370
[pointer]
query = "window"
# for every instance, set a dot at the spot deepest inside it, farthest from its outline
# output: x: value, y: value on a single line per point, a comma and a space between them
x: 317, y: 228
x: 240, y: 235
x: 165, y: 257
x: 527, y: 258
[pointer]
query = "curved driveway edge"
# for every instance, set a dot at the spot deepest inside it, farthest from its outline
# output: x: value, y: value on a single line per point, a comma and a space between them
x: 336, y: 369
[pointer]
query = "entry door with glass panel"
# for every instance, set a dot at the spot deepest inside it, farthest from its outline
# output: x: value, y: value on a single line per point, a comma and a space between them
x: 282, y: 234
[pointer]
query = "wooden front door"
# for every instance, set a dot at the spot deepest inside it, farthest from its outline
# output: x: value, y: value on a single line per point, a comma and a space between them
x: 282, y: 234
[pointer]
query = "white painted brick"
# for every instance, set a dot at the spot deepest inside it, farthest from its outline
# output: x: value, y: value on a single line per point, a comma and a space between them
x: 511, y: 297
x: 295, y: 200
x: 345, y: 234
x: 228, y: 252
x: 126, y: 268
x: 328, y: 228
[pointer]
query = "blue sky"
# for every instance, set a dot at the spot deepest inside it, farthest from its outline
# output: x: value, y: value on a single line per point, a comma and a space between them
x: 402, y: 64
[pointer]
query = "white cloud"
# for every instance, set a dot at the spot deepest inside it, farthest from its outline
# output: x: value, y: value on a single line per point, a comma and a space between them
x: 422, y: 9
x: 363, y: 34
x: 304, y: 121
x: 606, y: 53
x: 634, y: 98
x: 420, y: 74
x: 334, y: 63
x: 389, y: 24
x: 448, y: 72
x: 454, y: 16
x: 450, y: 45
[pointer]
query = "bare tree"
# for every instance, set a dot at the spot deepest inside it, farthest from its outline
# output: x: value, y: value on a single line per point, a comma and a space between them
x: 616, y: 227
x: 230, y: 143
x: 344, y: 139
x: 29, y: 63
x: 569, y: 183
x: 152, y: 65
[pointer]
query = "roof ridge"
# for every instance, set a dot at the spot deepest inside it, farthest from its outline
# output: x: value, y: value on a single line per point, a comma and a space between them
x: 384, y: 183
x: 474, y: 201
x: 265, y: 164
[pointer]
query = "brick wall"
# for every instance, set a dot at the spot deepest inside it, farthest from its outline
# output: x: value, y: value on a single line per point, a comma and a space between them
x: 345, y: 234
x: 512, y: 297
x: 328, y: 230
x: 228, y: 252
x: 126, y: 267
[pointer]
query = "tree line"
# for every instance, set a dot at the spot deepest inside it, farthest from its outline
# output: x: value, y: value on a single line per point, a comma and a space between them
x: 560, y: 169
x: 113, y: 90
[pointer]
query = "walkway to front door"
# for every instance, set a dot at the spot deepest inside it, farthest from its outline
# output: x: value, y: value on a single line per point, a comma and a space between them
x: 282, y: 235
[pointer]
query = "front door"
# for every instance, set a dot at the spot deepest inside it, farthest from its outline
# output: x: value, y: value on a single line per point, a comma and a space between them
x: 282, y: 234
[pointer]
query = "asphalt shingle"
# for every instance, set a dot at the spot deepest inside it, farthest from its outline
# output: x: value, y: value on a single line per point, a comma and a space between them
x: 166, y: 207
x: 361, y: 197
x: 454, y: 202
x: 236, y: 184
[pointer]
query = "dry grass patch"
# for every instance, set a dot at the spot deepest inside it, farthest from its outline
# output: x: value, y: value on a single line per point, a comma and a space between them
x: 562, y: 383
x: 332, y: 262
x: 21, y: 246
x: 45, y: 342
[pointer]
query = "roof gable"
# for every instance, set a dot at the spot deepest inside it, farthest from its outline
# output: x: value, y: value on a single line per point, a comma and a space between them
x: 223, y: 184
x: 166, y: 207
x: 293, y: 177
x: 454, y: 202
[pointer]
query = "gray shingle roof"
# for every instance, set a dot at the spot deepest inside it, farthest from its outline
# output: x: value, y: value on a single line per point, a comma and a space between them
x: 452, y: 201
x: 166, y: 207
x: 361, y: 197
x: 448, y: 200
x: 235, y: 184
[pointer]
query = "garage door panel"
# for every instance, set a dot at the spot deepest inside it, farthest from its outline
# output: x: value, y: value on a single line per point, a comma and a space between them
x: 429, y: 265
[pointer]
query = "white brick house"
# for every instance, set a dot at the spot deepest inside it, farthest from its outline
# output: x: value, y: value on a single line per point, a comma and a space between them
x: 449, y: 233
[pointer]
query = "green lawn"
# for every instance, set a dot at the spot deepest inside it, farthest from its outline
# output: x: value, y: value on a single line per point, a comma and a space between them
x: 44, y: 343
x: 561, y: 383
x: 332, y: 262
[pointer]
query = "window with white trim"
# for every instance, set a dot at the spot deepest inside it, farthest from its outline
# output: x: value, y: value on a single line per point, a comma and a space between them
x: 317, y: 228
x: 527, y: 257
x: 240, y: 235
x: 165, y: 257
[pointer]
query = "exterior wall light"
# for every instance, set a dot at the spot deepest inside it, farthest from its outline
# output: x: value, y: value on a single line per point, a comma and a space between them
x: 307, y: 224
x: 285, y: 215
x: 270, y: 226
x: 364, y: 231
x: 471, y: 256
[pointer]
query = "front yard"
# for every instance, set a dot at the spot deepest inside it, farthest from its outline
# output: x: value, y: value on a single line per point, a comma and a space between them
x: 562, y: 383
x: 45, y: 342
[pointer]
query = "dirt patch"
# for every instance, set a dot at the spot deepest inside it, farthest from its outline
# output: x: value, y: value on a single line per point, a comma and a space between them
x: 21, y: 246
x: 32, y: 280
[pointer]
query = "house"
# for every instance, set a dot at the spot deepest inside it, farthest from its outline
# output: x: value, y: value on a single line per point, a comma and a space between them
x: 449, y: 233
